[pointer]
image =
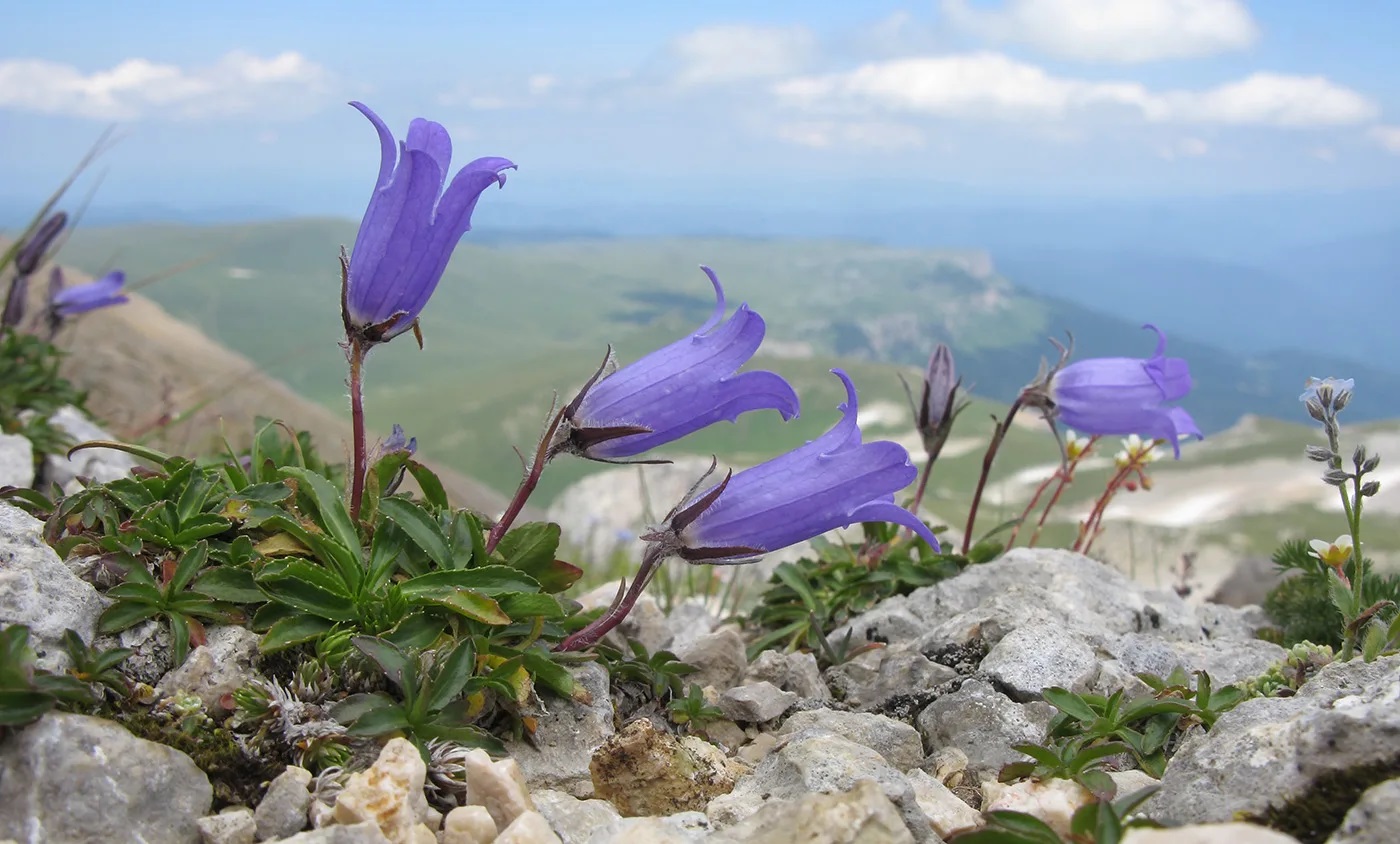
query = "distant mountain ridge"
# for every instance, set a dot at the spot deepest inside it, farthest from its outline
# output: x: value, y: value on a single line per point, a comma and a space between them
x: 518, y: 319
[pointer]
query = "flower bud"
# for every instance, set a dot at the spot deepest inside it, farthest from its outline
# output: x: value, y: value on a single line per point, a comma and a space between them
x: 31, y: 254
x: 1319, y: 453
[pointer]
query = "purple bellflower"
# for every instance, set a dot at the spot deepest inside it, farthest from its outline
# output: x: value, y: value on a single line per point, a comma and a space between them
x: 66, y: 302
x: 674, y: 391
x: 1121, y: 396
x: 410, y: 228
x: 831, y: 482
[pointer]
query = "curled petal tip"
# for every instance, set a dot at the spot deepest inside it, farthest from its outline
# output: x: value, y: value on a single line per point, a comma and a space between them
x: 851, y: 404
x: 720, y: 306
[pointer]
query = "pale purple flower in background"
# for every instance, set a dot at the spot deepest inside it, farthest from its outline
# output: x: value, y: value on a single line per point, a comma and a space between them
x: 676, y: 390
x: 410, y: 228
x: 66, y: 302
x: 36, y: 248
x: 1120, y: 396
x: 396, y: 441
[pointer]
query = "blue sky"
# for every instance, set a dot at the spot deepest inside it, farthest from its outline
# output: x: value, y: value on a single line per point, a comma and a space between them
x: 242, y: 104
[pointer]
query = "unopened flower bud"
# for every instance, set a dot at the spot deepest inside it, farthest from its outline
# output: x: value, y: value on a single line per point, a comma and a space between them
x: 1341, y: 400
x: 13, y: 313
x: 940, y: 380
x: 1335, y: 477
x: 31, y: 254
x: 1320, y: 454
x: 1370, y: 488
x: 1315, y: 410
x: 1370, y: 464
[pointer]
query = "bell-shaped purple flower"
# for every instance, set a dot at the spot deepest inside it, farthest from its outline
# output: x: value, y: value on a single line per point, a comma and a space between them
x: 410, y: 228
x: 831, y: 482
x: 66, y: 302
x: 1121, y: 396
x: 676, y: 390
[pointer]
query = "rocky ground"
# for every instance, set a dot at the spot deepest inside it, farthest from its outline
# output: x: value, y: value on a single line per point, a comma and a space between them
x: 902, y: 743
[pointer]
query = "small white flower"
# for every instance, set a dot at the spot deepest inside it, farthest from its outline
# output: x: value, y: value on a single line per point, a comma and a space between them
x: 1075, y: 445
x: 1335, y: 553
x: 1136, y: 450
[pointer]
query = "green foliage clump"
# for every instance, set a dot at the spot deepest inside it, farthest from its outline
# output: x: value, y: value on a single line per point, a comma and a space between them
x: 808, y: 599
x: 1287, y: 676
x: 27, y: 691
x: 31, y: 390
x: 1089, y: 729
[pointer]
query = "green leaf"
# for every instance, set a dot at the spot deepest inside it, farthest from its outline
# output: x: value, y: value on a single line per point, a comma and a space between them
x: 1069, y: 703
x: 274, y: 492
x: 226, y: 583
x: 792, y: 578
x: 549, y: 673
x: 200, y: 527
x: 124, y: 614
x: 522, y: 605
x: 138, y: 590
x: 466, y: 736
x: 465, y: 602
x: 1084, y: 758
x: 140, y: 451
x: 190, y: 563
x: 1099, y: 782
x: 530, y: 547
x: 1043, y: 755
x: 488, y: 580
x: 377, y: 722
x: 293, y: 630
x: 307, y: 587
x: 393, y: 662
x: 179, y: 639
x: 1031, y: 829
x: 331, y: 507
x: 384, y: 557
x: 428, y: 483
x: 22, y: 706
x: 458, y: 665
x: 417, y: 631
x: 421, y: 529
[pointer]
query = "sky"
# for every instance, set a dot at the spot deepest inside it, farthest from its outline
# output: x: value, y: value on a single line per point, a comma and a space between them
x: 242, y: 105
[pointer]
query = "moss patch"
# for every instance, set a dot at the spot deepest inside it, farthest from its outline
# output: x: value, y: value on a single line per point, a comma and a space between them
x: 1313, y: 816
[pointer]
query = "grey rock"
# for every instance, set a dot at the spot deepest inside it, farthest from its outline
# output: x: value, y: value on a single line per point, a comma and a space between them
x: 896, y: 741
x: 892, y: 620
x: 1269, y: 751
x: 680, y: 828
x: 282, y: 811
x: 99, y: 464
x: 688, y: 621
x: 793, y: 672
x: 153, y: 651
x: 874, y: 677
x: 38, y: 591
x: 863, y: 815
x: 1375, y: 819
x: 947, y: 813
x: 1036, y: 656
x: 755, y: 703
x: 566, y: 736
x: 360, y: 833
x: 1219, y: 621
x: 231, y: 826
x: 818, y: 762
x: 219, y: 667
x: 77, y: 779
x: 1054, y: 587
x: 719, y: 659
x: 983, y: 723
x: 16, y: 461
x: 573, y: 820
x: 1211, y: 833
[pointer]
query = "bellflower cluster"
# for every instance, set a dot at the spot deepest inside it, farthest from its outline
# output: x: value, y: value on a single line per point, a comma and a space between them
x: 1120, y: 396
x: 676, y: 390
x: 831, y: 482
x: 410, y: 228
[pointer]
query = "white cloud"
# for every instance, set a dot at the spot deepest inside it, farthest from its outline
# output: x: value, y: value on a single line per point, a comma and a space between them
x: 1124, y: 31
x: 1271, y: 99
x: 1184, y: 148
x: 715, y: 55
x: 238, y: 83
x: 1326, y: 154
x: 864, y: 135
x: 541, y: 83
x: 989, y: 85
x: 1387, y: 136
